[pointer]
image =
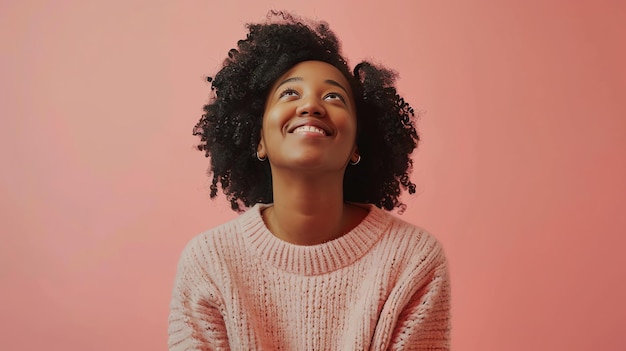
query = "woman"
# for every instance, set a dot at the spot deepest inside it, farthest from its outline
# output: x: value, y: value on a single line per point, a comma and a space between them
x: 315, y: 153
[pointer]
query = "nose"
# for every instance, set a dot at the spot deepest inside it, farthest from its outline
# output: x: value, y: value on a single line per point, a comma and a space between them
x: 311, y: 107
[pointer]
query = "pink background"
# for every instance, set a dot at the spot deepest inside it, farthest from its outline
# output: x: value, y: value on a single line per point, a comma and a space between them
x: 520, y: 174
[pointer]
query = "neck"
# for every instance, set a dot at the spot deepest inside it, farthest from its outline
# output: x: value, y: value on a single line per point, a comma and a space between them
x: 310, y: 210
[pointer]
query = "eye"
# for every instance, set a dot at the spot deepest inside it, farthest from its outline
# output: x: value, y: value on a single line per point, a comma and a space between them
x: 334, y: 96
x: 289, y: 92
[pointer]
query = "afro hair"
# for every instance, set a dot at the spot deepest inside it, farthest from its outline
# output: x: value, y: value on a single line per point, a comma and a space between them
x: 229, y: 130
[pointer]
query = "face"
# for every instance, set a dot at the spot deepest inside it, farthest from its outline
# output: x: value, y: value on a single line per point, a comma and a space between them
x: 309, y: 121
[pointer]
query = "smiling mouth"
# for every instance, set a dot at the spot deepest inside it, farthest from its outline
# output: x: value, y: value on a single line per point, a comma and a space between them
x: 309, y: 129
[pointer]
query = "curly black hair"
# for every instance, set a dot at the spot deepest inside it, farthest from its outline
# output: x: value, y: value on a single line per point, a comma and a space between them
x: 230, y: 127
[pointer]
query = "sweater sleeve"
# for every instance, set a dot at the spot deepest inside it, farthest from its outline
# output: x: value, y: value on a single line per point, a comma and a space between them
x: 424, y: 322
x: 195, y: 320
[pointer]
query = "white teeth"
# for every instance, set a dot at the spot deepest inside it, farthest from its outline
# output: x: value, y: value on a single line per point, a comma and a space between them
x: 312, y: 129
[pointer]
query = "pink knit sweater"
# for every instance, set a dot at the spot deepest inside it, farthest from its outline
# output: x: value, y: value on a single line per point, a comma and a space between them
x: 382, y: 286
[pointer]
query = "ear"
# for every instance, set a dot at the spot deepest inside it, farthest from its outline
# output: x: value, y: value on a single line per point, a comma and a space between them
x: 261, y: 151
x: 355, y: 154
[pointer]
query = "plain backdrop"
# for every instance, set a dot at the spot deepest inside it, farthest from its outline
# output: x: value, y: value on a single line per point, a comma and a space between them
x: 521, y: 172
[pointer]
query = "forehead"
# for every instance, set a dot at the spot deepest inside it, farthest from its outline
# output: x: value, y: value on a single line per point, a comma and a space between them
x: 315, y: 71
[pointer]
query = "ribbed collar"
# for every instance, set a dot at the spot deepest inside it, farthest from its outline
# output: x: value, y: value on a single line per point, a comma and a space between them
x: 315, y: 259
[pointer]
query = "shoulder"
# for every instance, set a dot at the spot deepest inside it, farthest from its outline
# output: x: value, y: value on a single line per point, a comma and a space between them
x: 220, y: 242
x: 411, y: 243
x: 213, y: 238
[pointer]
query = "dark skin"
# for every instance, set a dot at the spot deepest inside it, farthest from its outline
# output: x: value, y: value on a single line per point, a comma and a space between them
x: 308, y: 137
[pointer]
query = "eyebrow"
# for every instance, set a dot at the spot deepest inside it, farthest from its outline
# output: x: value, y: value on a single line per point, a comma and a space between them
x: 327, y: 81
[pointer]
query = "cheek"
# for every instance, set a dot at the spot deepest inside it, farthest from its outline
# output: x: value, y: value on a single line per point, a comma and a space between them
x: 349, y: 124
x: 271, y: 127
x: 274, y: 117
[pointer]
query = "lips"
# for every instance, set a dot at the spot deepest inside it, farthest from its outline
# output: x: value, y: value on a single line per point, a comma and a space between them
x: 310, y: 126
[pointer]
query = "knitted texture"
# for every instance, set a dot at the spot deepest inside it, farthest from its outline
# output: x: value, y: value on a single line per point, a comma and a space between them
x: 382, y: 286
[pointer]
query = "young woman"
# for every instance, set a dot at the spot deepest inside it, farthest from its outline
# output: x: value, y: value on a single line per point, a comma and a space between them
x: 314, y: 154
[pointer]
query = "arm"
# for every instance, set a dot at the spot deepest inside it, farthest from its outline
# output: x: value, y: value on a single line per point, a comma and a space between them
x: 424, y: 323
x: 195, y: 320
